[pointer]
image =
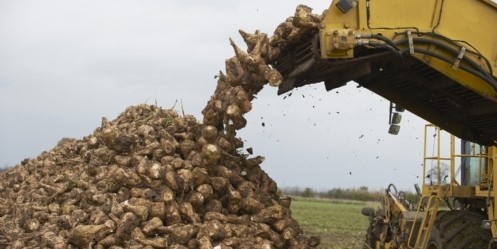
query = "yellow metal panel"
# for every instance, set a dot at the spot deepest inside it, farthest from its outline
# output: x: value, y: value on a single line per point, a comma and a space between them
x: 462, y: 192
x: 335, y: 19
x: 403, y: 13
x: 473, y: 22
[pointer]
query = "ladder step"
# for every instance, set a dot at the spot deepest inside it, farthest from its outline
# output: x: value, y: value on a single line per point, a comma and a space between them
x: 429, y: 217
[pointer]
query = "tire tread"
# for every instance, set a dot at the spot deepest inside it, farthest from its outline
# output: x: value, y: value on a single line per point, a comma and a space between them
x: 459, y: 230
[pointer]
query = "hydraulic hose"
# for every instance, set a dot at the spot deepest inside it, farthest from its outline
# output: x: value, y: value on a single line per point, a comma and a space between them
x: 447, y: 48
x: 384, y: 39
x: 475, y: 52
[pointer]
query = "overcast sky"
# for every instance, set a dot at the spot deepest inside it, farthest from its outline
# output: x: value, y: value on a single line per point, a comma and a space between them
x: 66, y: 64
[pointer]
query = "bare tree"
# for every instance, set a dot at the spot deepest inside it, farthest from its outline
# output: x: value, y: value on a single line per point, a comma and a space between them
x: 433, y: 176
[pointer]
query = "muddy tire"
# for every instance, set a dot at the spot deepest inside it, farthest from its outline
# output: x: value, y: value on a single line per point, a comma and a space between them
x: 458, y: 230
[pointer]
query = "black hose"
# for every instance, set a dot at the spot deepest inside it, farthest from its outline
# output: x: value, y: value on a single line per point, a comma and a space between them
x: 390, y: 48
x: 447, y: 48
x: 384, y: 39
x: 441, y: 37
x: 476, y: 52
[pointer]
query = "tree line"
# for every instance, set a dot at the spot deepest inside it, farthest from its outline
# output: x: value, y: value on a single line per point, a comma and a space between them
x: 360, y: 194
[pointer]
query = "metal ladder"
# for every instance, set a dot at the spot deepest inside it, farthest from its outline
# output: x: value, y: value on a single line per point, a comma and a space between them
x: 429, y: 216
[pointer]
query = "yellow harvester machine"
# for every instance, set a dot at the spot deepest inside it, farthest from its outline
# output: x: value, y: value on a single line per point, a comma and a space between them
x: 437, y: 59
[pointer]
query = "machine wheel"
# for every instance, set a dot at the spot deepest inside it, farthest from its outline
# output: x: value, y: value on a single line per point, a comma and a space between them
x: 458, y: 230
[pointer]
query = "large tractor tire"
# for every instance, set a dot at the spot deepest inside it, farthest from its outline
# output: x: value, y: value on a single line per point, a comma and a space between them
x: 458, y: 230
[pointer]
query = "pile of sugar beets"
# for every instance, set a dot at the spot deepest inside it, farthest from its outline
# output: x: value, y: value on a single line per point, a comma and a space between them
x: 155, y: 179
